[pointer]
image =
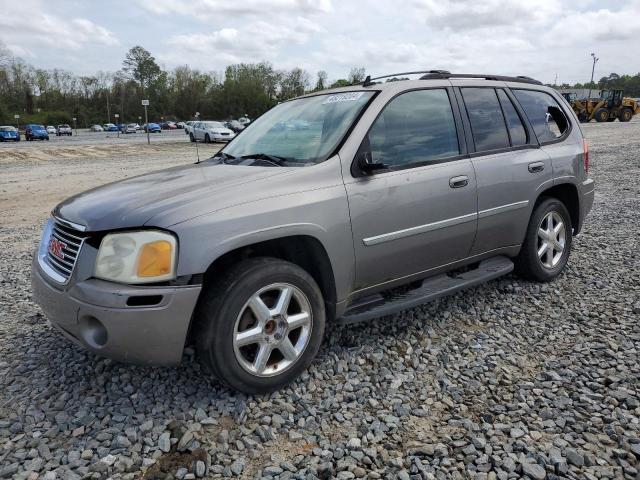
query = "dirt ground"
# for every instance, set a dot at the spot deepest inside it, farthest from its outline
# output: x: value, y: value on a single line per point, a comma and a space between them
x: 37, y: 175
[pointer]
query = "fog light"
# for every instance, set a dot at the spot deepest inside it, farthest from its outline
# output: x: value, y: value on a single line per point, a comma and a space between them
x: 93, y: 331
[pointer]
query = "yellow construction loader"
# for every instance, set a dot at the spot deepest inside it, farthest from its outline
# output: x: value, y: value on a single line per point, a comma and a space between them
x: 611, y: 104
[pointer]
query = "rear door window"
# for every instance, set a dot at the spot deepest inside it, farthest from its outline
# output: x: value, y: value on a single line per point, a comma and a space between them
x: 544, y: 113
x: 487, y: 122
x: 414, y: 128
x: 517, y: 132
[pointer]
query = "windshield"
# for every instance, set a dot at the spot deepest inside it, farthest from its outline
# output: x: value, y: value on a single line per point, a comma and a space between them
x: 7, y: 129
x: 305, y: 130
x: 212, y: 125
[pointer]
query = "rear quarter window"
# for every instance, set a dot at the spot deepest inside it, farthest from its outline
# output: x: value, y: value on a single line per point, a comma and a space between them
x: 487, y: 122
x: 544, y: 113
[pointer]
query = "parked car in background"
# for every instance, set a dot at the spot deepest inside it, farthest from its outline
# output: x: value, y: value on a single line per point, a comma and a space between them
x: 180, y: 124
x: 137, y: 126
x: 211, y: 132
x: 234, y: 125
x: 152, y: 128
x: 96, y: 128
x: 34, y: 131
x: 110, y: 127
x: 9, y: 133
x: 64, y: 129
x: 168, y: 126
x: 51, y: 130
x: 188, y: 127
x: 131, y: 128
x: 244, y: 120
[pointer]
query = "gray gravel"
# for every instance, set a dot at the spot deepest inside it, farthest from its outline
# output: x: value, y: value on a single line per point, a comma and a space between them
x: 509, y: 380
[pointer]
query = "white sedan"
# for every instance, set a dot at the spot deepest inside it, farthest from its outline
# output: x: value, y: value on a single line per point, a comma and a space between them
x: 131, y: 128
x: 51, y: 130
x: 210, y: 132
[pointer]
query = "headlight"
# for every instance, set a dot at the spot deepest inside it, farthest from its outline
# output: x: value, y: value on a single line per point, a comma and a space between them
x: 137, y: 257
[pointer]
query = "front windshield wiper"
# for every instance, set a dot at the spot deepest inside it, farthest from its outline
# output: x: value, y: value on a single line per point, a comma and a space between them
x: 224, y: 156
x: 280, y: 161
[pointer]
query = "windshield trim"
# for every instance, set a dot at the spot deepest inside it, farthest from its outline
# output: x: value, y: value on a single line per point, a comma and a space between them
x: 344, y: 137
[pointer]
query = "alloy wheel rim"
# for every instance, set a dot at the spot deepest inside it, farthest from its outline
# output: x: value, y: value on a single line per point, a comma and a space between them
x: 272, y: 330
x: 551, y: 240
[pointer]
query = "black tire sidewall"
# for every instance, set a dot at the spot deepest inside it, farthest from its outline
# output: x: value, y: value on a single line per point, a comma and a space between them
x: 535, y: 267
x: 218, y: 313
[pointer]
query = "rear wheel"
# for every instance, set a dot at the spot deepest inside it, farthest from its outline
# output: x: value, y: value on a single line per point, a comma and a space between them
x: 547, y: 244
x: 260, y: 325
x: 626, y: 114
x: 602, y: 115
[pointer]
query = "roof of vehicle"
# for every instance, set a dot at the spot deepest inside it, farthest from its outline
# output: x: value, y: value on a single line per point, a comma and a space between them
x: 395, y: 79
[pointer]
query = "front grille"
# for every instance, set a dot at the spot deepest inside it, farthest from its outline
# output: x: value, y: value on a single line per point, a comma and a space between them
x: 63, y: 249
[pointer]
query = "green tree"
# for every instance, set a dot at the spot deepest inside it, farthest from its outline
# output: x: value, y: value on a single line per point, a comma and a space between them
x: 140, y: 65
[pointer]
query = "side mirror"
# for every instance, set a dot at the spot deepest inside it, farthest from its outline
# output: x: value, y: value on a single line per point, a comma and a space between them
x: 366, y: 163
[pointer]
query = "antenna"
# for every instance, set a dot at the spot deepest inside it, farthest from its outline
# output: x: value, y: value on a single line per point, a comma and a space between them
x: 195, y: 139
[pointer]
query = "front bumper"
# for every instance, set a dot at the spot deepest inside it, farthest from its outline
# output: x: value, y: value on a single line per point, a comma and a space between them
x: 97, y: 315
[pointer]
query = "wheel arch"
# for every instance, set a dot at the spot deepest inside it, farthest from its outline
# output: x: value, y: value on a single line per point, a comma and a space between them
x: 305, y: 251
x: 567, y: 193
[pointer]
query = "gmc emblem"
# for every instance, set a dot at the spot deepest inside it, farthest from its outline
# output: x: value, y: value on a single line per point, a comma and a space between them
x: 55, y: 248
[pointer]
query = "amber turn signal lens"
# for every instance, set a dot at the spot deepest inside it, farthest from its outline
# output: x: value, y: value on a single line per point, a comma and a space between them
x: 155, y: 259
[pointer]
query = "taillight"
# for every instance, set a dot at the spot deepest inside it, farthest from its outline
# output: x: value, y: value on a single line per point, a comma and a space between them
x: 585, y: 154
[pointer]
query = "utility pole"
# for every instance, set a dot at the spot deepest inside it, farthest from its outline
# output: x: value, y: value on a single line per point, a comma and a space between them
x: 145, y: 103
x: 555, y: 81
x: 593, y: 69
x: 108, y: 113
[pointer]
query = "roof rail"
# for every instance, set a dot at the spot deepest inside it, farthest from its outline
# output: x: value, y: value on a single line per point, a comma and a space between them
x: 370, y: 81
x: 445, y: 74
x: 502, y: 78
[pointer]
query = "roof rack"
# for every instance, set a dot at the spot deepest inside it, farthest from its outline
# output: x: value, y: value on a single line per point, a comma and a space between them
x: 445, y: 74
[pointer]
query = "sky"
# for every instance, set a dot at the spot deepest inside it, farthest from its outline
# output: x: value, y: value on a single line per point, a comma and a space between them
x: 541, y: 39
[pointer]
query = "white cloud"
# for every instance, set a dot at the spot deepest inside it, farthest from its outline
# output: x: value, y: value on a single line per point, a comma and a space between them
x: 29, y: 29
x: 251, y: 42
x: 207, y: 9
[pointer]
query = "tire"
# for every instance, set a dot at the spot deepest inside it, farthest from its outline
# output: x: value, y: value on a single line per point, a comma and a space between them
x: 626, y: 114
x: 602, y: 115
x: 207, y: 139
x: 546, y: 267
x: 191, y: 137
x: 223, y: 312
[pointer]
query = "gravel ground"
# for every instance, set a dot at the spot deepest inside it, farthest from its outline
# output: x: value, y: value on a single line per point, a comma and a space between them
x: 509, y: 380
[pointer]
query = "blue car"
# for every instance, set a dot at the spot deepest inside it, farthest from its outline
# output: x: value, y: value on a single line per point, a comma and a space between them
x: 33, y: 131
x: 9, y: 133
x: 110, y: 127
x: 152, y: 128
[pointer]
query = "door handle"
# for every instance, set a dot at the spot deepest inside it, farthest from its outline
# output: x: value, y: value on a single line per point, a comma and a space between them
x: 459, y: 182
x: 535, y: 167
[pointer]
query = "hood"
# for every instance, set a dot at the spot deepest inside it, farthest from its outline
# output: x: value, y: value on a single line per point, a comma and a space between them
x: 220, y: 130
x: 166, y: 197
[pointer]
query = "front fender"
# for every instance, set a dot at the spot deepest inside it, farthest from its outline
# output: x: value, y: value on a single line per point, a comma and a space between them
x: 321, y: 214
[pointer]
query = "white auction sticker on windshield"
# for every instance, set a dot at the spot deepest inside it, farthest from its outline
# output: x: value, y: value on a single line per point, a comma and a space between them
x: 343, y: 97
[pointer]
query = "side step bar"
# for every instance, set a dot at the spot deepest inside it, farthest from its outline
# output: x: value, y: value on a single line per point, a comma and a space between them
x: 375, y: 306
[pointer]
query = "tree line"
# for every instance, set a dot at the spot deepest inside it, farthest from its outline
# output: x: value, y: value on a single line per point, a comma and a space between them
x: 629, y: 83
x: 56, y: 96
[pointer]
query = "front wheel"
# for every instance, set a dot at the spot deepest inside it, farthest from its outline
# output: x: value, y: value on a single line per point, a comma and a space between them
x: 192, y: 138
x: 602, y: 115
x: 547, y: 244
x: 260, y: 325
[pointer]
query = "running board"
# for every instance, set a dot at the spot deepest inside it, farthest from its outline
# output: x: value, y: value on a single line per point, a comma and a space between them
x: 375, y: 306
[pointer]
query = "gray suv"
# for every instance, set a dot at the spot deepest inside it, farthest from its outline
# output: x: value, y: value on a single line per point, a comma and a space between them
x: 339, y: 206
